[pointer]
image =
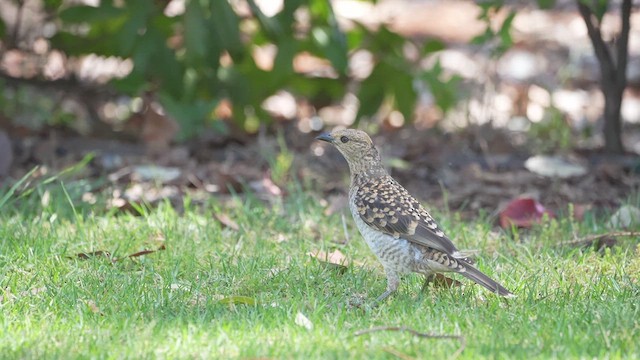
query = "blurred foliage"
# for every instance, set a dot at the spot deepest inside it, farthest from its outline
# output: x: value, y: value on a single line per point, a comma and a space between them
x: 551, y: 134
x: 612, y: 65
x: 500, y: 38
x: 194, y: 60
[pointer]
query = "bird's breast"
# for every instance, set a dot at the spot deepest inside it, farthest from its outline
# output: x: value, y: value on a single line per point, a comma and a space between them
x: 396, y: 253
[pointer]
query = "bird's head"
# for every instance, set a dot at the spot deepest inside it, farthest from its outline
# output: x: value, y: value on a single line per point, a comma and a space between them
x: 357, y: 148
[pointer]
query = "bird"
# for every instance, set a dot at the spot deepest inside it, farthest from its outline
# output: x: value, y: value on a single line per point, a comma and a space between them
x: 398, y: 229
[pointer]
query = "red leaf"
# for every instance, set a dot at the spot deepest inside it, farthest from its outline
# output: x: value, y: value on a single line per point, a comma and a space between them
x: 523, y: 212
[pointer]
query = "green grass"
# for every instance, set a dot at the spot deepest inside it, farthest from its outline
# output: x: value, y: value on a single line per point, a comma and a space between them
x: 183, y: 302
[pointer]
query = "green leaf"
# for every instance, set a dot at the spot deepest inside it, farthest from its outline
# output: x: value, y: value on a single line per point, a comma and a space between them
x: 128, y: 34
x: 132, y: 84
x: 90, y: 14
x: 6, y: 196
x: 52, y: 5
x: 286, y: 17
x: 372, y: 91
x: 271, y: 26
x: 387, y: 42
x: 403, y: 93
x: 3, y: 28
x: 600, y: 8
x: 332, y: 47
x: 432, y: 46
x: 505, y: 30
x: 73, y: 44
x: 169, y: 71
x: 318, y: 89
x: 226, y: 25
x: 484, y: 37
x: 195, y: 34
x: 597, y: 7
x: 546, y: 4
x: 283, y: 63
x: 445, y: 92
x: 189, y: 114
x: 356, y: 36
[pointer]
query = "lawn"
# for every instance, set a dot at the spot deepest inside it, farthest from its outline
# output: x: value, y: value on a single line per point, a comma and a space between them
x: 218, y: 291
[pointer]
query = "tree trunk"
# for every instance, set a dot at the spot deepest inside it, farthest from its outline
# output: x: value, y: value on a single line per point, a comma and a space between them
x: 612, y: 119
x: 613, y: 72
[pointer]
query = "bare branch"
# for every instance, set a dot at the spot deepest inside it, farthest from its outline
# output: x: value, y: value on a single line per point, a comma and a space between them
x: 623, y: 44
x: 598, y: 239
x: 607, y: 67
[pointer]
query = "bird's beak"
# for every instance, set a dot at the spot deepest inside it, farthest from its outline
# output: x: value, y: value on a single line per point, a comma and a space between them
x: 325, y: 137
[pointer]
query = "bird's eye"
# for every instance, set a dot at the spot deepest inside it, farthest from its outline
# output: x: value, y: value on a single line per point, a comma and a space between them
x: 344, y: 139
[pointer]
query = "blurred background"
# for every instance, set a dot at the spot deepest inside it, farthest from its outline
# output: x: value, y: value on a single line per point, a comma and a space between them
x: 472, y: 104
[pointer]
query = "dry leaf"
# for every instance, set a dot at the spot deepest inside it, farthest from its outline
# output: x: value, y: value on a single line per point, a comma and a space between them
x: 153, y: 126
x: 89, y: 255
x: 162, y: 174
x: 303, y: 321
x: 625, y: 217
x: 334, y: 259
x: 31, y: 292
x: 266, y: 187
x: 86, y: 256
x: 226, y: 221
x: 554, y: 166
x: 146, y: 252
x: 93, y: 307
x: 442, y: 281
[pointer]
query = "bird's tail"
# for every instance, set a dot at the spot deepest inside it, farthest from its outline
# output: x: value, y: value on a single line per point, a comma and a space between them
x: 482, y: 279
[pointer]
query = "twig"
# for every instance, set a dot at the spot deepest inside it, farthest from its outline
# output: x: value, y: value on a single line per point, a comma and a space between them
x: 607, y: 66
x: 460, y: 338
x: 589, y: 240
x: 623, y: 44
x: 398, y: 354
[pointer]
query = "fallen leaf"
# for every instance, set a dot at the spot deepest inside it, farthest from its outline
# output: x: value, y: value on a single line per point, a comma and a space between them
x: 93, y: 254
x: 243, y: 300
x: 334, y: 259
x: 161, y: 174
x: 93, y: 307
x: 625, y: 217
x: 146, y: 252
x: 31, y: 292
x: 303, y: 321
x: 554, y: 166
x: 89, y: 255
x: 523, y: 212
x: 266, y: 187
x: 153, y: 126
x: 442, y: 281
x: 226, y: 221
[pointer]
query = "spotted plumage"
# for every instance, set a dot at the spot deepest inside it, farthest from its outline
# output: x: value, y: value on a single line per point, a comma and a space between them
x: 397, y: 228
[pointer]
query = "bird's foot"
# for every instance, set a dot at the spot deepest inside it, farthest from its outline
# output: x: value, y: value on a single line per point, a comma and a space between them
x: 428, y: 279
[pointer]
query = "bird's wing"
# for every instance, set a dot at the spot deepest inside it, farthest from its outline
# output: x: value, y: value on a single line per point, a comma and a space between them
x: 386, y: 206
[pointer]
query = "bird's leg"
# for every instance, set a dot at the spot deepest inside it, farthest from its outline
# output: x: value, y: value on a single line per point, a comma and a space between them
x: 393, y: 281
x: 428, y: 279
